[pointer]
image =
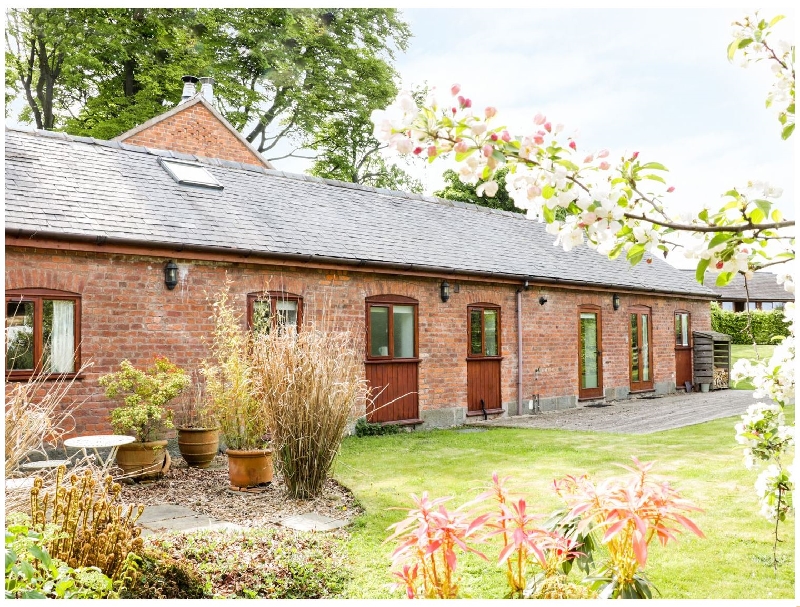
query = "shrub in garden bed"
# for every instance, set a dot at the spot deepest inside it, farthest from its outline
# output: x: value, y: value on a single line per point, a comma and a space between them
x: 257, y: 563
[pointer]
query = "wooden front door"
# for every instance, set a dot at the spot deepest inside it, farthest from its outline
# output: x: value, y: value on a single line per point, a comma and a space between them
x: 590, y: 355
x: 641, y: 355
x: 683, y: 349
x: 392, y: 360
x: 483, y: 359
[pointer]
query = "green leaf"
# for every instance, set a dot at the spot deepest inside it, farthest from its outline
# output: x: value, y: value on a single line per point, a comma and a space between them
x: 775, y: 20
x: 756, y: 215
x: 464, y: 155
x: 745, y: 42
x: 719, y: 239
x: 732, y: 48
x: 656, y: 166
x: 548, y: 191
x: 787, y: 132
x: 724, y: 278
x: 498, y: 155
x: 40, y: 554
x: 616, y: 251
x: 701, y: 270
x: 567, y: 164
x: 703, y: 215
x: 548, y: 213
x: 635, y: 254
x: 654, y: 178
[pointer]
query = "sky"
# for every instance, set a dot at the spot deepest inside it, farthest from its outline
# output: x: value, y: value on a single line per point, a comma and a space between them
x: 656, y: 81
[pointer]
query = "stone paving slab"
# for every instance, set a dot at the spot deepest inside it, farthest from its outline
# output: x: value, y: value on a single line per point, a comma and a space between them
x: 169, y: 517
x: 635, y: 416
x: 312, y: 522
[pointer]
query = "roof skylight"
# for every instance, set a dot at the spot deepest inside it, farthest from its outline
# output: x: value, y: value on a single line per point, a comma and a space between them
x: 189, y: 173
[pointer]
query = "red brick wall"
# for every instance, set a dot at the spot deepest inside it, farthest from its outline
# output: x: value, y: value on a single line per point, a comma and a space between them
x: 127, y: 312
x: 197, y: 131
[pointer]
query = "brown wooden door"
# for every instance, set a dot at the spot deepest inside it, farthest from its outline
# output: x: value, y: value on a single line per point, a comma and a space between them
x: 483, y: 359
x: 590, y: 355
x: 392, y: 359
x: 641, y: 348
x: 683, y: 349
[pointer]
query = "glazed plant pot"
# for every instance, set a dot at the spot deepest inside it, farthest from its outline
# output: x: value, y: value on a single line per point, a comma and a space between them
x: 249, y: 468
x: 142, y: 460
x: 198, y: 446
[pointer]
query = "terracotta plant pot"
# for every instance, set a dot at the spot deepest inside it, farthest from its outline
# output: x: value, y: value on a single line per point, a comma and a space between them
x: 140, y: 460
x: 198, y: 446
x: 249, y: 468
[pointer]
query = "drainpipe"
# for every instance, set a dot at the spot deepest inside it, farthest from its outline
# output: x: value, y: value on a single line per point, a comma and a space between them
x: 524, y: 287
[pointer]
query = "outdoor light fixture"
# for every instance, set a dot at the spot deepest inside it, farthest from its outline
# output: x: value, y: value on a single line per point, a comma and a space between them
x: 171, y: 274
x: 542, y: 300
x: 615, y: 301
x: 445, y: 291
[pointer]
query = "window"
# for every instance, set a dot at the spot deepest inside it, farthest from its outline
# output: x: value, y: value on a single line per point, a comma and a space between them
x: 752, y: 305
x: 778, y: 305
x: 42, y: 332
x: 274, y: 309
x: 727, y: 305
x: 189, y: 173
x: 767, y: 305
x: 484, y: 330
x: 681, y: 328
x: 391, y: 327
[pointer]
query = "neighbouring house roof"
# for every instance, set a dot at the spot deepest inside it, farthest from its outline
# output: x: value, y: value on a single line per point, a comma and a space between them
x: 763, y: 286
x: 58, y: 186
x: 185, y: 105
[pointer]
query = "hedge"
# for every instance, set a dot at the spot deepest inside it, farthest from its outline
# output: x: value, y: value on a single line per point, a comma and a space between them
x: 766, y: 325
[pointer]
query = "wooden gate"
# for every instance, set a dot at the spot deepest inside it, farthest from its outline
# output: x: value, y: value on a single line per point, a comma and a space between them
x: 483, y: 359
x: 392, y: 359
x: 683, y: 349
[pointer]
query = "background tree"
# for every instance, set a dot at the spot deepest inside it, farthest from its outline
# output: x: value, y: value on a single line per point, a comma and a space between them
x: 455, y: 189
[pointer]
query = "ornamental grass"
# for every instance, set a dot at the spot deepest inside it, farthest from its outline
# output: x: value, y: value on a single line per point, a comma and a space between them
x: 311, y: 384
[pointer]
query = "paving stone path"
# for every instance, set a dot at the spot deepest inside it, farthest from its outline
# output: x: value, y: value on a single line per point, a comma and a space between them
x: 636, y: 416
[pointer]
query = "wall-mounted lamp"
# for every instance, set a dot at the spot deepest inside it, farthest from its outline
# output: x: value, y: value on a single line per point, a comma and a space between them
x: 615, y: 301
x: 171, y: 274
x: 542, y: 300
x: 445, y: 291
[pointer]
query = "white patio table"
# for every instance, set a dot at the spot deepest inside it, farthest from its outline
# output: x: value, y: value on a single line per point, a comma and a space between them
x: 100, y: 441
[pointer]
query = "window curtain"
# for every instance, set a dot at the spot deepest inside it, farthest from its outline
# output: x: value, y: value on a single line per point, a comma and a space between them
x: 62, y: 352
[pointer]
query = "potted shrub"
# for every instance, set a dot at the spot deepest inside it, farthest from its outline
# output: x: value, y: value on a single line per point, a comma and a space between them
x: 143, y: 414
x: 231, y: 398
x: 198, y: 430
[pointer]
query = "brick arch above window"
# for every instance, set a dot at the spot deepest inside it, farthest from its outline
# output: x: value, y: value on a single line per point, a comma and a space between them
x: 29, y: 278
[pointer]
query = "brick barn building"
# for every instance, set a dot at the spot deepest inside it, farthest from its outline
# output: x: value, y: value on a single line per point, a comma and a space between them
x: 464, y: 310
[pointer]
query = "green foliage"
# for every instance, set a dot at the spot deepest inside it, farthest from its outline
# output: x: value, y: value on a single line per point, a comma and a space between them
x: 455, y: 189
x: 229, y: 380
x: 365, y: 428
x: 269, y: 563
x: 31, y: 573
x: 767, y: 326
x: 145, y: 394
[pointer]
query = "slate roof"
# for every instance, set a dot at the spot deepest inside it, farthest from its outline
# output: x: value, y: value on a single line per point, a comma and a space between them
x: 763, y: 286
x: 76, y: 187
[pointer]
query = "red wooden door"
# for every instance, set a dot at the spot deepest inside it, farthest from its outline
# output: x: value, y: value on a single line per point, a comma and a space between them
x: 391, y: 359
x: 590, y: 355
x: 683, y: 349
x: 483, y: 359
x: 641, y: 350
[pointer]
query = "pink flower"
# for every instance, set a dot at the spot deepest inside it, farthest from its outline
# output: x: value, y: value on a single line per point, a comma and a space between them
x: 494, y: 137
x: 468, y: 103
x: 548, y: 127
x: 461, y: 100
x: 455, y: 89
x: 534, y: 191
x: 604, y: 166
x: 671, y: 189
x: 461, y: 146
x: 490, y: 112
x: 454, y: 111
x: 539, y: 119
x: 417, y: 150
x: 572, y: 145
x: 602, y: 153
x: 487, y: 150
x: 505, y: 136
x: 538, y: 139
x: 588, y: 159
x: 431, y: 151
x: 635, y: 156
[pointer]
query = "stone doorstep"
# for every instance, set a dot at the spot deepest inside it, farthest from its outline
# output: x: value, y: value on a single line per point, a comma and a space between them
x: 312, y: 522
x: 168, y: 517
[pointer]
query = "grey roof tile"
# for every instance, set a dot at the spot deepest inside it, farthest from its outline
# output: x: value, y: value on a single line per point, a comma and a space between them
x: 121, y: 192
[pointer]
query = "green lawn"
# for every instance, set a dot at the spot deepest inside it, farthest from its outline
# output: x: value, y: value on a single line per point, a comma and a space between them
x: 702, y: 461
x: 748, y: 351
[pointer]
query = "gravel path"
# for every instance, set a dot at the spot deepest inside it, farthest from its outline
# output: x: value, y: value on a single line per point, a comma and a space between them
x: 636, y: 416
